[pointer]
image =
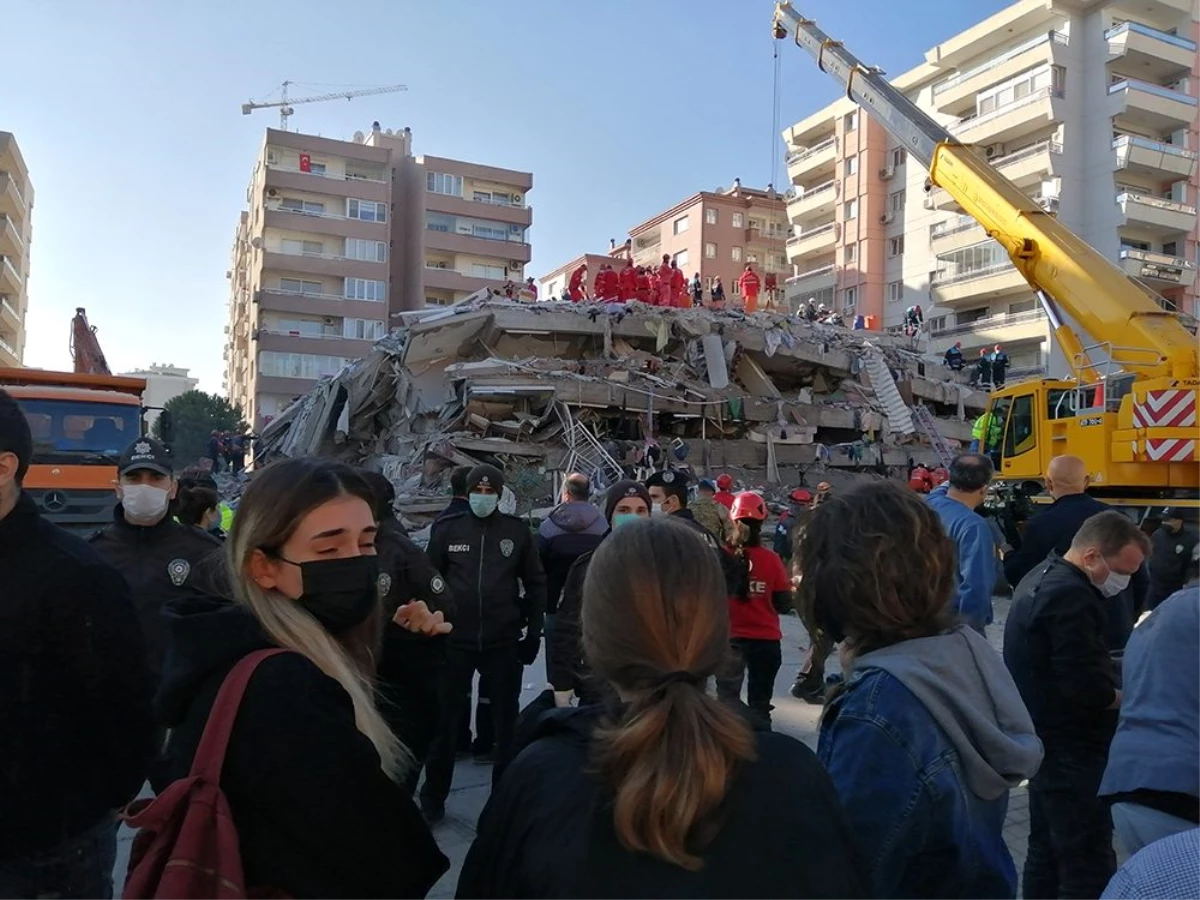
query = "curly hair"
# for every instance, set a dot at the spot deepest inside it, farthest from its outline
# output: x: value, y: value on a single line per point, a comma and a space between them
x: 878, y: 568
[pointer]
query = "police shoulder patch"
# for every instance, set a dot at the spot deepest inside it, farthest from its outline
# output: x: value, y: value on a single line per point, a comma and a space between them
x: 507, y: 547
x: 178, y: 570
x: 384, y: 584
x: 437, y: 584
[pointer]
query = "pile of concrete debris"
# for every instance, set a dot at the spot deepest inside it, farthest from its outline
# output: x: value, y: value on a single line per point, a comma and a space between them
x: 549, y: 388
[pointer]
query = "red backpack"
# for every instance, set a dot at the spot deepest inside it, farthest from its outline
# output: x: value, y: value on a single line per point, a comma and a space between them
x: 187, y: 843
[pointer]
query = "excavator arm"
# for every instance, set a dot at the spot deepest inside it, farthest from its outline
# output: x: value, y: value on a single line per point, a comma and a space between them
x: 1067, y: 274
x: 85, y: 348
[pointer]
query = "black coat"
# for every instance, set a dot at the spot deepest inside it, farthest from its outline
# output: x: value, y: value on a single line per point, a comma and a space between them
x: 413, y: 577
x: 76, y: 728
x: 1170, y: 559
x: 547, y: 830
x: 315, y: 814
x: 565, y: 666
x: 1054, y: 647
x: 733, y: 568
x: 486, y: 563
x: 161, y: 562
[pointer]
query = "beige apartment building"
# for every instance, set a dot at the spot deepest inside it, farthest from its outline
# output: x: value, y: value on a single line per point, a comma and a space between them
x: 713, y: 233
x: 341, y: 235
x: 16, y: 228
x: 1090, y: 107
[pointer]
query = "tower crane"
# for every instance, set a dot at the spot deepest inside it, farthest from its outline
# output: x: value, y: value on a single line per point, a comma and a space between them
x: 284, y: 104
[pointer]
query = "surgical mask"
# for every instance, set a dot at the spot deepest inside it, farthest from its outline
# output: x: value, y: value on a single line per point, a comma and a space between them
x: 656, y: 509
x: 483, y: 505
x: 624, y: 519
x: 1114, y: 584
x: 144, y: 502
x: 339, y: 593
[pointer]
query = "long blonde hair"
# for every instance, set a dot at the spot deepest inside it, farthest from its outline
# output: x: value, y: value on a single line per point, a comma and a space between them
x: 277, y: 498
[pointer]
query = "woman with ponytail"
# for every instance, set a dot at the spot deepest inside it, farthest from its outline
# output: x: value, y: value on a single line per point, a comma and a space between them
x: 666, y: 792
x: 312, y: 773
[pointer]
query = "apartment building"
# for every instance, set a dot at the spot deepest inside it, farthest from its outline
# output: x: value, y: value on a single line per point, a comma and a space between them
x: 16, y: 225
x: 341, y: 235
x: 553, y: 286
x: 163, y: 382
x: 1090, y: 107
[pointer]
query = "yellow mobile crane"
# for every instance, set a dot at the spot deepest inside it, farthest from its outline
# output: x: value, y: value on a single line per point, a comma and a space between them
x: 1128, y: 407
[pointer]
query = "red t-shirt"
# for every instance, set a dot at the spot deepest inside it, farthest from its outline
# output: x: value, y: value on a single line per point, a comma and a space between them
x: 756, y: 618
x: 724, y: 498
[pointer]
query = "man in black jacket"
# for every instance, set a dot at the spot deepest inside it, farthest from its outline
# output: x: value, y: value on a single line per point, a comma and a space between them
x: 1053, y: 529
x: 1055, y: 649
x: 572, y: 529
x: 158, y: 556
x: 487, y: 558
x: 76, y: 728
x: 669, y: 494
x: 1173, y: 544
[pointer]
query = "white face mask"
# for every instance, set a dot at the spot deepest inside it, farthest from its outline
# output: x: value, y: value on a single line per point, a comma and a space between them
x: 656, y: 509
x: 1114, y: 584
x: 144, y: 503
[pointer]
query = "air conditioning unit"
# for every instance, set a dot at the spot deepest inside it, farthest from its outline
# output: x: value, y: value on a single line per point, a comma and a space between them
x: 272, y: 192
x: 515, y: 264
x: 518, y: 199
x: 887, y: 172
x: 993, y: 151
x: 272, y: 157
x: 329, y: 320
x: 887, y: 218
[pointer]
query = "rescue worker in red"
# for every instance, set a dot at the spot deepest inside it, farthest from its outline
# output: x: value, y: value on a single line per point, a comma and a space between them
x: 724, y: 495
x: 679, y: 294
x: 577, y: 284
x: 627, y: 282
x: 643, y: 284
x: 600, y: 282
x: 920, y: 479
x: 748, y: 285
x: 771, y: 286
x: 612, y: 285
x: 665, y: 291
x: 530, y: 288
x: 940, y: 475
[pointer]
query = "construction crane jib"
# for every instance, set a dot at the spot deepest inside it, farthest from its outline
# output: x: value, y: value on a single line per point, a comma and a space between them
x: 285, y: 103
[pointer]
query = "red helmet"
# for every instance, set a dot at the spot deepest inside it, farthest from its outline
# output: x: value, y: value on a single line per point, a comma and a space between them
x: 724, y: 481
x: 801, y: 495
x: 748, y: 505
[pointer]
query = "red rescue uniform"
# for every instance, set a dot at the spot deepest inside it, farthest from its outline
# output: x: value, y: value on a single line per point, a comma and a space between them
x: 627, y: 280
x: 756, y: 617
x: 678, y: 288
x: 749, y: 284
x: 612, y: 285
x: 725, y: 498
x: 664, y: 285
x: 575, y: 287
x: 643, y: 286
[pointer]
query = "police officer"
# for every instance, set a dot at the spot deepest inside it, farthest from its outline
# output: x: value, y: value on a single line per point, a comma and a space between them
x: 486, y: 557
x: 1172, y: 544
x: 669, y: 495
x: 159, y: 557
x: 411, y: 665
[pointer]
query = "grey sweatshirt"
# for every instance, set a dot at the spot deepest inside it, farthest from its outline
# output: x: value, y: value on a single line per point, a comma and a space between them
x: 964, y: 684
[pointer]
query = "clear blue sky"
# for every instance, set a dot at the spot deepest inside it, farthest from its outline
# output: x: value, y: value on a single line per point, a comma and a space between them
x: 128, y: 114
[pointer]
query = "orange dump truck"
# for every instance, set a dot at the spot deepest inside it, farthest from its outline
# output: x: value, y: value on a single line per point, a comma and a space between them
x: 81, y: 424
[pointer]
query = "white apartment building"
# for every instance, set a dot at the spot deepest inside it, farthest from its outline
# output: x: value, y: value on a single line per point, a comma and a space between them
x: 1090, y: 107
x: 163, y: 383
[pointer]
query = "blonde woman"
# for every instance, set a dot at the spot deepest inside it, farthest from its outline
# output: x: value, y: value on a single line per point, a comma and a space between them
x: 312, y: 773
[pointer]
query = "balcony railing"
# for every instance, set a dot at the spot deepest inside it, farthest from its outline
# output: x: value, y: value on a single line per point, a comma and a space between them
x: 315, y: 295
x: 1056, y: 37
x: 1158, y: 202
x: 805, y: 152
x: 1027, y: 152
x: 812, y: 273
x: 812, y: 232
x: 7, y: 347
x: 952, y: 226
x: 1139, y: 28
x: 1125, y: 141
x: 16, y: 190
x: 323, y: 214
x: 7, y: 264
x: 12, y: 310
x: 1147, y: 87
x: 347, y: 177
x: 818, y: 189
x: 944, y: 276
x: 497, y: 201
x: 1036, y: 97
x: 999, y: 321
x: 316, y: 337
x: 6, y: 224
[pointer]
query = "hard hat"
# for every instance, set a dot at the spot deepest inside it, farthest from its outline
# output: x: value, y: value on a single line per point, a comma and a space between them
x: 824, y: 487
x: 748, y: 505
x: 724, y: 481
x: 801, y: 495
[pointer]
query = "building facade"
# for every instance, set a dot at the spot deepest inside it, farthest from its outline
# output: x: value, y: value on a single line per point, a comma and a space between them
x: 16, y: 229
x: 340, y: 235
x: 163, y: 383
x: 1091, y: 108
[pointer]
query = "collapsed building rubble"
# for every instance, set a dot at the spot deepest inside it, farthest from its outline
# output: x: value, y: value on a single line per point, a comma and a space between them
x: 544, y: 389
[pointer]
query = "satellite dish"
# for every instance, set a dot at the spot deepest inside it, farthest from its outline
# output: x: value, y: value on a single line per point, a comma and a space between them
x: 359, y: 137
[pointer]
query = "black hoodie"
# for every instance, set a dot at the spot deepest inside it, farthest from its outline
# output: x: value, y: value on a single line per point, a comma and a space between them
x: 547, y: 830
x: 316, y: 816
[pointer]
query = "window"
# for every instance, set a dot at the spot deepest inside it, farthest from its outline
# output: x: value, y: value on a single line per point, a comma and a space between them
x: 297, y: 286
x: 439, y: 222
x: 851, y: 209
x: 710, y: 217
x: 366, y: 210
x: 680, y: 225
x: 898, y: 157
x: 1170, y: 248
x: 850, y: 299
x: 368, y: 251
x: 302, y: 248
x: 440, y: 183
x: 736, y: 254
x: 710, y: 250
x: 851, y: 253
x: 895, y: 291
x: 298, y: 365
x: 63, y: 429
x: 738, y: 221
x: 896, y: 201
x: 489, y: 230
x: 302, y: 327
x: 681, y: 258
x: 366, y: 289
x: 850, y: 120
x: 363, y: 329
x: 1020, y: 436
x: 307, y: 207
x: 852, y: 165
x: 316, y: 168
x: 487, y: 270
x: 896, y: 246
x: 969, y: 262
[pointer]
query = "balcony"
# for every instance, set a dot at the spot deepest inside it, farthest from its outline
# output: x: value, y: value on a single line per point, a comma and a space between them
x: 1036, y: 111
x: 324, y: 264
x: 1004, y: 328
x: 336, y: 185
x: 997, y: 280
x: 469, y: 208
x: 317, y: 344
x: 1155, y: 54
x: 1156, y: 214
x: 1157, y: 269
x: 956, y: 94
x: 815, y: 202
x: 12, y: 201
x: 275, y: 300
x: 813, y: 242
x: 453, y: 242
x: 10, y: 279
x: 330, y: 224
x: 1026, y: 168
x: 10, y: 319
x: 451, y: 280
x: 803, y: 284
x: 8, y: 353
x: 1163, y: 161
x: 1149, y: 106
x: 11, y: 242
x: 813, y: 162
x: 945, y: 237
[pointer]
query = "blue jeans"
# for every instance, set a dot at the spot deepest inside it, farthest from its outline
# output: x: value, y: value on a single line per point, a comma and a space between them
x: 80, y: 867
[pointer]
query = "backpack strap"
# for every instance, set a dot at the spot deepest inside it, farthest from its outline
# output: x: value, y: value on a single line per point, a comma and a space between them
x: 210, y: 752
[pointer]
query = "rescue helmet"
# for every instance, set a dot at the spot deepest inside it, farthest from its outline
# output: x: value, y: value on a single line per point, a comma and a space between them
x: 748, y: 505
x: 801, y: 495
x: 724, y: 481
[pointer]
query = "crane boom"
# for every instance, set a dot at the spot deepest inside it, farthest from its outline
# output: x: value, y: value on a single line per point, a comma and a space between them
x: 284, y: 104
x: 1068, y: 274
x: 85, y: 348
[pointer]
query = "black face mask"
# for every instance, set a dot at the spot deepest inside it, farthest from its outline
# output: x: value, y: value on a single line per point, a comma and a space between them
x: 339, y: 593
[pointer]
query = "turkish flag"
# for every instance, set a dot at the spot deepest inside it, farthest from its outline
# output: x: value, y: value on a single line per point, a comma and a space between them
x: 305, y: 162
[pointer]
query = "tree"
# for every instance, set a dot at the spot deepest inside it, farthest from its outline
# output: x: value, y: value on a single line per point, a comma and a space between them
x: 194, y: 417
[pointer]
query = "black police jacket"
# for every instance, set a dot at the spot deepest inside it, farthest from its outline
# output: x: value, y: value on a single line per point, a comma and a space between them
x: 161, y: 562
x: 486, y: 563
x: 1170, y: 559
x: 409, y: 576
